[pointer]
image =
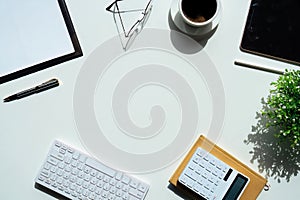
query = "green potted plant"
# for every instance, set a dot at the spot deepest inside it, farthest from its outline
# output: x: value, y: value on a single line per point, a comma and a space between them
x: 276, y: 136
x: 283, y: 108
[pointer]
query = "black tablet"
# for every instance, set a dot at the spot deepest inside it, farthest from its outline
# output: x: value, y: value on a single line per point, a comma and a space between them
x: 273, y: 30
x: 35, y: 35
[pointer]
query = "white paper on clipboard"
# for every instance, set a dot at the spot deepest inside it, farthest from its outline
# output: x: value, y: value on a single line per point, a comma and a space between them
x: 31, y: 32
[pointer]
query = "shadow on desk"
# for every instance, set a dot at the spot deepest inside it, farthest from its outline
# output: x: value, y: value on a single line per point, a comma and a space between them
x: 201, y: 40
x: 185, y: 194
x: 50, y: 192
x: 275, y: 158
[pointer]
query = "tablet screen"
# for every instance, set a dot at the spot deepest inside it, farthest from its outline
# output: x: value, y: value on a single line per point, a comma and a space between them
x: 273, y: 30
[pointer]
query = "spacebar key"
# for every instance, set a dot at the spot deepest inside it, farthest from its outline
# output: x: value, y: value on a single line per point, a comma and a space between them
x: 100, y: 167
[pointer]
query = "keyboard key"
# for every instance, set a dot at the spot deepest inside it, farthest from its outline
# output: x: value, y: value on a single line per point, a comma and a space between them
x: 53, y: 161
x: 57, y: 155
x: 142, y: 187
x: 125, y: 180
x: 133, y: 184
x: 135, y: 193
x: 96, y: 165
x: 119, y: 176
x: 45, y: 173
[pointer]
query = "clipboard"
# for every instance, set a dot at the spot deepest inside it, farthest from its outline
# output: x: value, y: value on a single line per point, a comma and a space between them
x: 35, y: 35
x: 272, y: 30
x: 253, y: 189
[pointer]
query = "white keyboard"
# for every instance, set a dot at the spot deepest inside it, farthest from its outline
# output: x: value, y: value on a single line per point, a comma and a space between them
x: 75, y: 175
x: 211, y: 178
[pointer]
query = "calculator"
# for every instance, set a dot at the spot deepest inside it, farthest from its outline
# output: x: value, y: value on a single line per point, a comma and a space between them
x: 212, y: 179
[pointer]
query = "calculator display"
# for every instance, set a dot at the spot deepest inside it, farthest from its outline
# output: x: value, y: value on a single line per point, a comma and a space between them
x: 236, y: 188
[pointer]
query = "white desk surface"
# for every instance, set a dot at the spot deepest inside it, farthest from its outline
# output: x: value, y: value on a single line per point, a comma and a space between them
x: 28, y: 126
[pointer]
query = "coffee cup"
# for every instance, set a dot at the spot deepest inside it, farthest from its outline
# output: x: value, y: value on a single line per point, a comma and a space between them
x: 198, y: 13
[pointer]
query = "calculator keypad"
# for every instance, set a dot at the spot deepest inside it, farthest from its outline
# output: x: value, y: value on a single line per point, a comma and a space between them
x: 204, y: 173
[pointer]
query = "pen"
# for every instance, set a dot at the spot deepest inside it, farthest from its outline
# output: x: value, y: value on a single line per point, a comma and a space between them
x: 40, y: 88
x: 272, y: 70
